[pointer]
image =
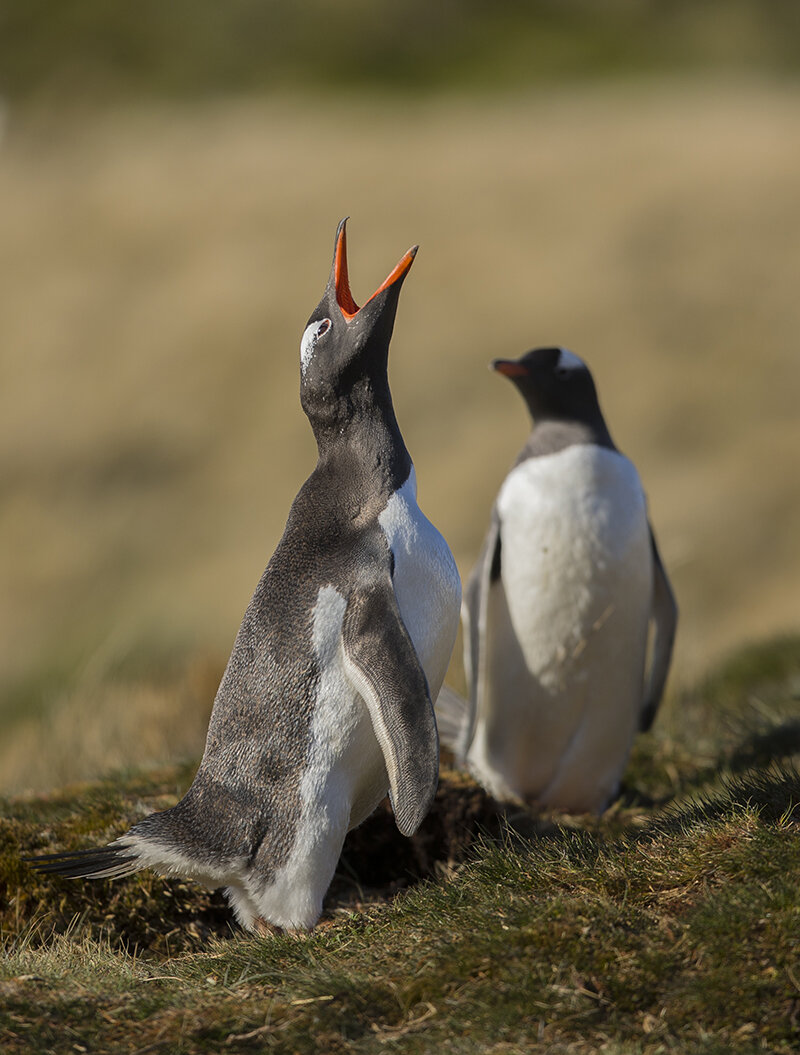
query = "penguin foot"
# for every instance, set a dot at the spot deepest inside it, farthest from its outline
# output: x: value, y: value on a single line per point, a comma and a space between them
x: 264, y: 929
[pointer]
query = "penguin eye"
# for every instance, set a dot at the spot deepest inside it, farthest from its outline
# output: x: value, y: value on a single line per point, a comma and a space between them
x: 312, y: 334
x: 568, y: 365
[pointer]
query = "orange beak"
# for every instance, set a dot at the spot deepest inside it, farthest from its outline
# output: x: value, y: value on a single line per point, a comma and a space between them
x: 344, y: 298
x: 509, y: 368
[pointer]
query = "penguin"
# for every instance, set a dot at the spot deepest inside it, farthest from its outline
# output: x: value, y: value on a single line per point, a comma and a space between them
x: 326, y: 700
x: 558, y: 609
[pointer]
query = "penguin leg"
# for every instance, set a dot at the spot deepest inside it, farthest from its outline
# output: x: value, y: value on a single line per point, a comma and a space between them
x: 291, y: 898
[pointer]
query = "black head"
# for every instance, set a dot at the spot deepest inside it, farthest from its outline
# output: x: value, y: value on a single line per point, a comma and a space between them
x: 344, y: 350
x: 556, y: 385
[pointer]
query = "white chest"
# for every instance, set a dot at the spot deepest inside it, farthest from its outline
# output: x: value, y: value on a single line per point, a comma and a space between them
x: 575, y: 549
x: 426, y: 581
x: 345, y: 762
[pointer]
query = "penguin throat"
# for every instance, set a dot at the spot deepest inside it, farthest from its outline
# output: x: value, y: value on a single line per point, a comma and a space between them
x: 551, y: 434
x: 363, y: 417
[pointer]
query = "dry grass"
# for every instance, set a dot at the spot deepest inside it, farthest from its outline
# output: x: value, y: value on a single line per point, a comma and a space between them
x: 158, y: 267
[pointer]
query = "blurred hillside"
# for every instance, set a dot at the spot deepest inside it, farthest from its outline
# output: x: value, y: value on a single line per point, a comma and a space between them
x: 160, y: 255
x: 97, y: 50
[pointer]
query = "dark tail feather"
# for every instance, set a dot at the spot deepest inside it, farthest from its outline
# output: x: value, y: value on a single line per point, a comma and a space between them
x: 104, y: 862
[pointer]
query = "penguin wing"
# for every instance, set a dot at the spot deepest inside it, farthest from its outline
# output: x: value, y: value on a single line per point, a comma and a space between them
x: 382, y: 663
x: 474, y: 617
x: 664, y: 615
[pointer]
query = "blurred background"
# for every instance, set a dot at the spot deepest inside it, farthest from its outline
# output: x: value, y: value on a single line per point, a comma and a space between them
x: 623, y: 181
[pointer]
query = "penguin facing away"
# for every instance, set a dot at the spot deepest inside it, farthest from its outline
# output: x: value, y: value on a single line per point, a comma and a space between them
x: 558, y: 609
x: 326, y: 701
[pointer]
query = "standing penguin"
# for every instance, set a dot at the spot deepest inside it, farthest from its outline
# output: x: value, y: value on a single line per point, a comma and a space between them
x: 557, y: 611
x: 326, y: 699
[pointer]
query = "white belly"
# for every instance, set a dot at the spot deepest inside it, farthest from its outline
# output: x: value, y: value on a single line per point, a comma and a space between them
x: 566, y: 630
x: 345, y: 777
x: 343, y: 781
x: 426, y: 582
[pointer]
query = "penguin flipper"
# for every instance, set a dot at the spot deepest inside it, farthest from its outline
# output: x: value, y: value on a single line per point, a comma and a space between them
x: 664, y: 615
x: 474, y: 618
x: 382, y: 663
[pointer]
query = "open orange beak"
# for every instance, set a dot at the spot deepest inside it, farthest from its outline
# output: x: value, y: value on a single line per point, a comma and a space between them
x: 509, y: 368
x: 344, y: 298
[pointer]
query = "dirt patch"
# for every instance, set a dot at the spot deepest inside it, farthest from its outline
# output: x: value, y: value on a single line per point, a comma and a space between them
x: 377, y: 861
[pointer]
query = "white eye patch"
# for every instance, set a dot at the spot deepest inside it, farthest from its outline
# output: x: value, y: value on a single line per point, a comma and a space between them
x: 567, y: 360
x: 311, y: 335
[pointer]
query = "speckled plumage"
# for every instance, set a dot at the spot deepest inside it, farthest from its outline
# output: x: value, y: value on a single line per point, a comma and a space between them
x: 326, y: 699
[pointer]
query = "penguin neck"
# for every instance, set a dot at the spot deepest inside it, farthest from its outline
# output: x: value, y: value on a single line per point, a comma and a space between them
x: 553, y: 433
x: 361, y: 426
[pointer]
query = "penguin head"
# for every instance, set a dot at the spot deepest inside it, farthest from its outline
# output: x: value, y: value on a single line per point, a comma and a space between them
x: 344, y: 349
x: 555, y: 384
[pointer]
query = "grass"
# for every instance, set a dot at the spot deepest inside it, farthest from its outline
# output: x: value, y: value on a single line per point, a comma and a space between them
x: 670, y: 924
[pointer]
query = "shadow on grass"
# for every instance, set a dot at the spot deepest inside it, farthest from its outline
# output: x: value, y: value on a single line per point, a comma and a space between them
x: 774, y: 793
x: 757, y: 754
x: 765, y: 747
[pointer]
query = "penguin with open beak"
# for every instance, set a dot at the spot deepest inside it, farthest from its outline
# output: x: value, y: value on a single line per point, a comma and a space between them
x: 326, y: 701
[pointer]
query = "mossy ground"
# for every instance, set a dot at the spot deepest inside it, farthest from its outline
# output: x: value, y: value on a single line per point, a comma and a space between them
x: 672, y: 923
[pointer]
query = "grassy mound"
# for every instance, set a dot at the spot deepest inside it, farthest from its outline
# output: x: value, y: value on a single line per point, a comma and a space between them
x: 672, y: 923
